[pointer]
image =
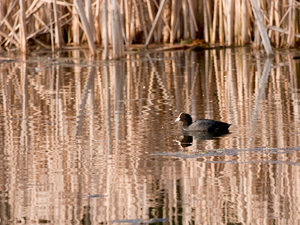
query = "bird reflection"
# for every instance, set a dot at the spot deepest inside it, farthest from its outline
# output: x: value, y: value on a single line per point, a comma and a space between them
x: 186, y: 141
x: 188, y: 137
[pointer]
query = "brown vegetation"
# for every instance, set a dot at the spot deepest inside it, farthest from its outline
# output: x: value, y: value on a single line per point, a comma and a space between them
x: 119, y: 23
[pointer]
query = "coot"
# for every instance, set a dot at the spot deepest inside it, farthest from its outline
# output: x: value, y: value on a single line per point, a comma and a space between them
x: 202, y: 125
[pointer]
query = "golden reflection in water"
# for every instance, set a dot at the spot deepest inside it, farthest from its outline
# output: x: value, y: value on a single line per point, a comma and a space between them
x: 87, y: 141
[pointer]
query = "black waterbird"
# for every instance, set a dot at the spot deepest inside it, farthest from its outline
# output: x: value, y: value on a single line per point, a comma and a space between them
x: 202, y: 125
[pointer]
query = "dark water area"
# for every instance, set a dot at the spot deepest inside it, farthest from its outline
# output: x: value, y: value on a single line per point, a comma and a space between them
x: 86, y: 141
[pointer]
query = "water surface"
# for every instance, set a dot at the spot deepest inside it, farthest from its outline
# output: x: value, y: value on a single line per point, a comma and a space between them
x: 86, y: 141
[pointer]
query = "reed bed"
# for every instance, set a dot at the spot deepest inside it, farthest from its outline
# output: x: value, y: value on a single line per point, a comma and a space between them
x: 121, y: 23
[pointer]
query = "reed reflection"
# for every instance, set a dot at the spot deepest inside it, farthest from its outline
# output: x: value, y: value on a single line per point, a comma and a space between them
x: 72, y: 129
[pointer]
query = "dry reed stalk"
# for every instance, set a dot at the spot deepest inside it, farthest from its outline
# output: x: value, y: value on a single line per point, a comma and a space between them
x: 157, y: 17
x: 104, y: 31
x: 9, y: 39
x: 271, y: 15
x: 283, y: 31
x: 193, y: 22
x: 58, y: 35
x: 225, y: 23
x: 245, y: 38
x: 205, y: 20
x: 42, y: 44
x: 128, y: 11
x: 157, y: 34
x: 221, y: 21
x: 86, y: 26
x: 151, y: 17
x: 164, y: 25
x: 90, y: 19
x: 49, y: 15
x: 75, y: 26
x: 122, y: 23
x: 291, y: 24
x: 117, y: 40
x: 46, y: 27
x: 41, y: 14
x: 277, y: 14
x: 230, y: 16
x: 209, y: 18
x: 1, y: 14
x: 12, y: 37
x: 159, y: 29
x: 8, y: 11
x: 34, y: 7
x: 185, y: 12
x: 22, y: 28
x: 140, y: 14
x: 237, y: 23
x: 133, y: 23
x: 214, y: 22
x: 261, y: 27
x: 173, y: 20
x: 176, y: 32
x: 97, y: 23
x: 12, y: 30
x: 285, y: 15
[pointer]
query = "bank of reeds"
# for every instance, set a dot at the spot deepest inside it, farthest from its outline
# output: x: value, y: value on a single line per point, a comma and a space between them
x: 118, y: 23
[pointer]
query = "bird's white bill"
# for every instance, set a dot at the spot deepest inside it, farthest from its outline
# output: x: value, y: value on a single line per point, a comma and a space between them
x: 178, y: 119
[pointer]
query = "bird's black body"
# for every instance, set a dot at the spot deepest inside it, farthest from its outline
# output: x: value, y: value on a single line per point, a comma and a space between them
x: 202, y: 125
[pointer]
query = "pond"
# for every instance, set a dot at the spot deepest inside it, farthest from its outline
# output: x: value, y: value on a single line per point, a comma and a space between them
x: 87, y: 141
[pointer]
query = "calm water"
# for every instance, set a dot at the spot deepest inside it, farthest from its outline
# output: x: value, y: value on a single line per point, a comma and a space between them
x: 85, y: 141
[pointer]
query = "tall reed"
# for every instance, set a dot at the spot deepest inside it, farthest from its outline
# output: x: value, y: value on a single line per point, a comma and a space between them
x: 122, y: 23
